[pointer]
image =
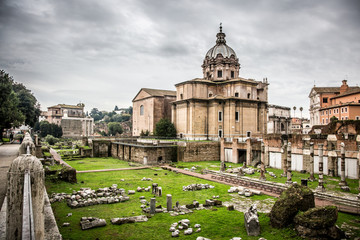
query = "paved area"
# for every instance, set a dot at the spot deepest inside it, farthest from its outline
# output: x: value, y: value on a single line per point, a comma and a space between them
x: 8, y: 152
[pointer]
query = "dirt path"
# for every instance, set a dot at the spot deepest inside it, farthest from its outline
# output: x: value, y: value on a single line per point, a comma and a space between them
x: 8, y: 152
x: 114, y: 169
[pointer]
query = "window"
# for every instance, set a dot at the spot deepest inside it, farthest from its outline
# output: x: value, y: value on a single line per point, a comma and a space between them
x: 346, y: 109
x: 232, y: 74
x: 220, y: 116
x: 210, y: 94
x: 220, y: 133
x: 323, y: 121
x: 357, y: 117
x: 236, y: 116
x: 346, y: 118
x: 236, y: 94
x: 330, y: 111
x: 248, y: 95
x: 181, y: 96
x: 141, y: 110
x: 326, y: 112
x: 248, y: 134
x: 219, y: 73
x: 327, y: 120
x: 325, y: 100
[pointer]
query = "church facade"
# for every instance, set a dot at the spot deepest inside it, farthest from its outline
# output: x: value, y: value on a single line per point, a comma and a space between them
x: 221, y: 104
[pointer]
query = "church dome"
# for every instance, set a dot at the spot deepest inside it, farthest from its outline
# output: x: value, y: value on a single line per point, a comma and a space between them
x: 220, y: 47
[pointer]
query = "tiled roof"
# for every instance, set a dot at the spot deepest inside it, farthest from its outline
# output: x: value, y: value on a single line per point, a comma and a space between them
x: 66, y: 106
x: 352, y: 90
x: 159, y: 92
x: 330, y: 89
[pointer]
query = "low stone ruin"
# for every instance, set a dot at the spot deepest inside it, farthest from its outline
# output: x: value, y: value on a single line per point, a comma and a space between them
x: 91, y: 222
x: 296, y: 198
x: 183, y: 224
x: 272, y: 174
x: 156, y: 190
x: 134, y: 219
x: 146, y: 179
x: 241, y: 170
x: 143, y: 189
x: 318, y: 223
x: 244, y: 191
x: 252, y: 224
x: 87, y: 197
x: 197, y: 187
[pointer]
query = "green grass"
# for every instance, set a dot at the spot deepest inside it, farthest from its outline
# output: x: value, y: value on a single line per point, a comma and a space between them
x: 220, y: 224
x: 98, y: 163
x: 330, y: 183
x: 5, y: 139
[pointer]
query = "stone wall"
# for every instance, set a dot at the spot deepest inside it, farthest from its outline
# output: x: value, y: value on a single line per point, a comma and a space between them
x: 198, y: 151
x: 101, y: 148
x: 143, y: 153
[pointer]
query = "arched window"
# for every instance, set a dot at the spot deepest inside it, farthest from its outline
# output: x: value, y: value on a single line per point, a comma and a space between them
x: 141, y: 110
x: 210, y: 94
x: 236, y: 94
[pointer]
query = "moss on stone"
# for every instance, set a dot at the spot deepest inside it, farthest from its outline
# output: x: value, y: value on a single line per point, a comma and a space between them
x: 317, y: 218
x: 296, y: 198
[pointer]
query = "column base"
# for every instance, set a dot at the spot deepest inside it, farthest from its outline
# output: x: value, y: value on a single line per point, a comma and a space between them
x: 262, y: 178
x: 289, y: 182
x: 331, y: 173
x: 345, y: 188
x: 343, y: 183
x: 320, y: 189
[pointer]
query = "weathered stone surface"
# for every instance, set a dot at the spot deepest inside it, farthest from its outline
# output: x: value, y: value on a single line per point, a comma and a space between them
x: 68, y: 174
x: 15, y: 189
x: 119, y: 221
x: 175, y: 233
x: 318, y: 223
x: 91, y: 222
x: 295, y: 198
x: 188, y: 231
x: 252, y: 224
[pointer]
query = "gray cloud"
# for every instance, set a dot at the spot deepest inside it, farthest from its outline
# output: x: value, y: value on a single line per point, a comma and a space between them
x: 103, y: 52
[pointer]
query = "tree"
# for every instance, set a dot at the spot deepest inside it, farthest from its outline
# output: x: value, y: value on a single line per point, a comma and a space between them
x: 115, y: 128
x: 116, y: 108
x: 10, y: 114
x: 165, y: 128
x: 96, y: 114
x: 294, y: 110
x: 301, y: 109
x: 27, y: 104
x: 53, y: 129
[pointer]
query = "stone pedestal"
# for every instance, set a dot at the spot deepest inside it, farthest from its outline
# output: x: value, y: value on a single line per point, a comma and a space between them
x: 15, y: 193
x: 311, y: 178
x: 343, y: 182
x: 152, y: 205
x: 288, y: 172
x: 168, y: 202
x: 320, y: 187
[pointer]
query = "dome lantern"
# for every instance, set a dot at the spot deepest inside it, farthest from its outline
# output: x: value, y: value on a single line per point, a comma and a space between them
x: 221, y: 62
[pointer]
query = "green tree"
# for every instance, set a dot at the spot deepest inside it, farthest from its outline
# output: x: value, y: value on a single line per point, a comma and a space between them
x: 10, y: 114
x: 27, y: 104
x: 116, y: 108
x: 115, y: 128
x: 165, y: 128
x: 53, y: 129
x: 96, y: 114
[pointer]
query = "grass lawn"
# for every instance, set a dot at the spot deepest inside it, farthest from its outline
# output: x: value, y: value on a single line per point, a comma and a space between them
x: 220, y: 224
x: 330, y: 183
x: 99, y: 163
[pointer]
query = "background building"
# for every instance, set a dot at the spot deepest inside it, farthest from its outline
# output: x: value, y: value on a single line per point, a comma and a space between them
x: 279, y: 119
x: 221, y: 104
x: 325, y: 100
x: 71, y: 118
x: 149, y: 106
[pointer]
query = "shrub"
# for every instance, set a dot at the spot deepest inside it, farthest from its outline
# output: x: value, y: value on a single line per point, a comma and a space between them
x: 51, y: 139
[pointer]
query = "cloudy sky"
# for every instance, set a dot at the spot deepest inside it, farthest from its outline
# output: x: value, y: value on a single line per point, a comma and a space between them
x: 102, y: 52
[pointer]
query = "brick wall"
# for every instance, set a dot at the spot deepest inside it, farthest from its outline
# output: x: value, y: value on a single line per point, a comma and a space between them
x: 198, y: 151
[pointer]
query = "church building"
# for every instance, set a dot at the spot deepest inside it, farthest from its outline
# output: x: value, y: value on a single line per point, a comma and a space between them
x: 221, y: 104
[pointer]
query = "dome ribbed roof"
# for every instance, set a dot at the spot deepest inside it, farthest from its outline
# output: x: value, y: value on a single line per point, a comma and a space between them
x: 220, y: 47
x: 223, y: 49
